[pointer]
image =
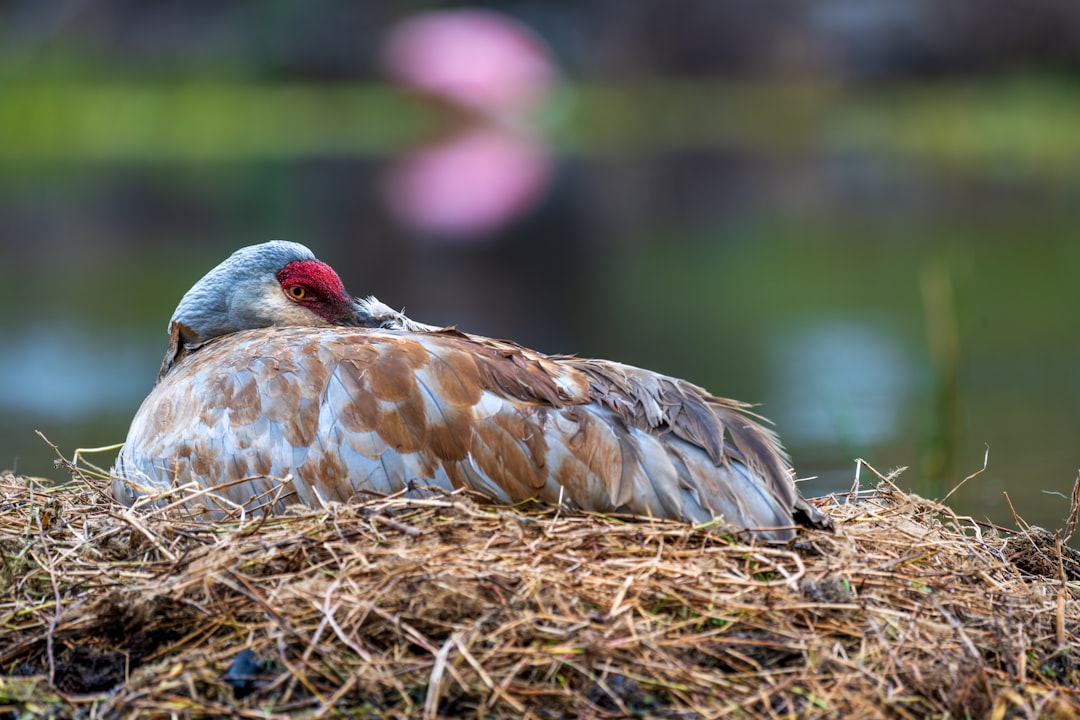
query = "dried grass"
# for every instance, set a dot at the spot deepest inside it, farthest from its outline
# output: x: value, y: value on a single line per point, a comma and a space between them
x: 449, y: 607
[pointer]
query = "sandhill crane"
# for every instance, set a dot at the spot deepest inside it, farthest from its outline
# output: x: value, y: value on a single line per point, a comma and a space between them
x: 279, y: 387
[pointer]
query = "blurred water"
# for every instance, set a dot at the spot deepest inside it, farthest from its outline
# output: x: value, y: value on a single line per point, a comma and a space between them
x: 64, y: 372
x: 842, y: 381
x: 806, y: 300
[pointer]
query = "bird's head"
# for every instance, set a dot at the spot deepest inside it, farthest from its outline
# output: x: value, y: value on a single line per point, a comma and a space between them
x: 274, y: 283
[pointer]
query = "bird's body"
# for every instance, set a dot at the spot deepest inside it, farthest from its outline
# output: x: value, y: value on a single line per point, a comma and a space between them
x: 330, y: 410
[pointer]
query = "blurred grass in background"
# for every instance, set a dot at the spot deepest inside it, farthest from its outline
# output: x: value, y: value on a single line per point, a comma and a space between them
x: 1005, y: 126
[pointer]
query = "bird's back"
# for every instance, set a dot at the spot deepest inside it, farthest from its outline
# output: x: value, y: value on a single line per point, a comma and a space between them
x: 342, y: 412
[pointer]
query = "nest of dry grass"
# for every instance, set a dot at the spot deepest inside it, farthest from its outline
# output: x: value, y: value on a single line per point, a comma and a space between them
x: 449, y: 607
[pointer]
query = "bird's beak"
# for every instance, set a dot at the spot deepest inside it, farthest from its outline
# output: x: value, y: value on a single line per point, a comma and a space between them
x: 370, y: 312
x: 362, y: 313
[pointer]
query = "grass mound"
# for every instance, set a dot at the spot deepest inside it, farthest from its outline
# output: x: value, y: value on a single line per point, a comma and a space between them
x: 450, y: 607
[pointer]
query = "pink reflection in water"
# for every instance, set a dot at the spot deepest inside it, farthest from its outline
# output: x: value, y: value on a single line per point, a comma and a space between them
x: 494, y: 168
x: 471, y: 184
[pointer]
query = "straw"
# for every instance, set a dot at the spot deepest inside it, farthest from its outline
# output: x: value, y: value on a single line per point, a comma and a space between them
x: 449, y: 607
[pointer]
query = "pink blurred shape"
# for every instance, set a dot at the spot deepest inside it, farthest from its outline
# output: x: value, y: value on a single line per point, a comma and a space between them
x: 470, y: 184
x: 493, y: 168
x: 479, y: 59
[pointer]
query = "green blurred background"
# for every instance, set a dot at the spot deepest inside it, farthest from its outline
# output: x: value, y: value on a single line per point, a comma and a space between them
x: 859, y: 214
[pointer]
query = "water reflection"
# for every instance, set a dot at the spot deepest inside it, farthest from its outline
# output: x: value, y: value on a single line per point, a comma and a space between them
x: 490, y: 77
x: 842, y: 381
x: 467, y: 186
x: 61, y: 371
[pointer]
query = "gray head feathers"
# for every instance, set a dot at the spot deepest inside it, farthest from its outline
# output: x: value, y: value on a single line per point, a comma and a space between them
x: 241, y: 293
x: 256, y: 287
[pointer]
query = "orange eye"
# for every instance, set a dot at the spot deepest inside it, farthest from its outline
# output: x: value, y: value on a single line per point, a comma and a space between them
x: 297, y: 292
